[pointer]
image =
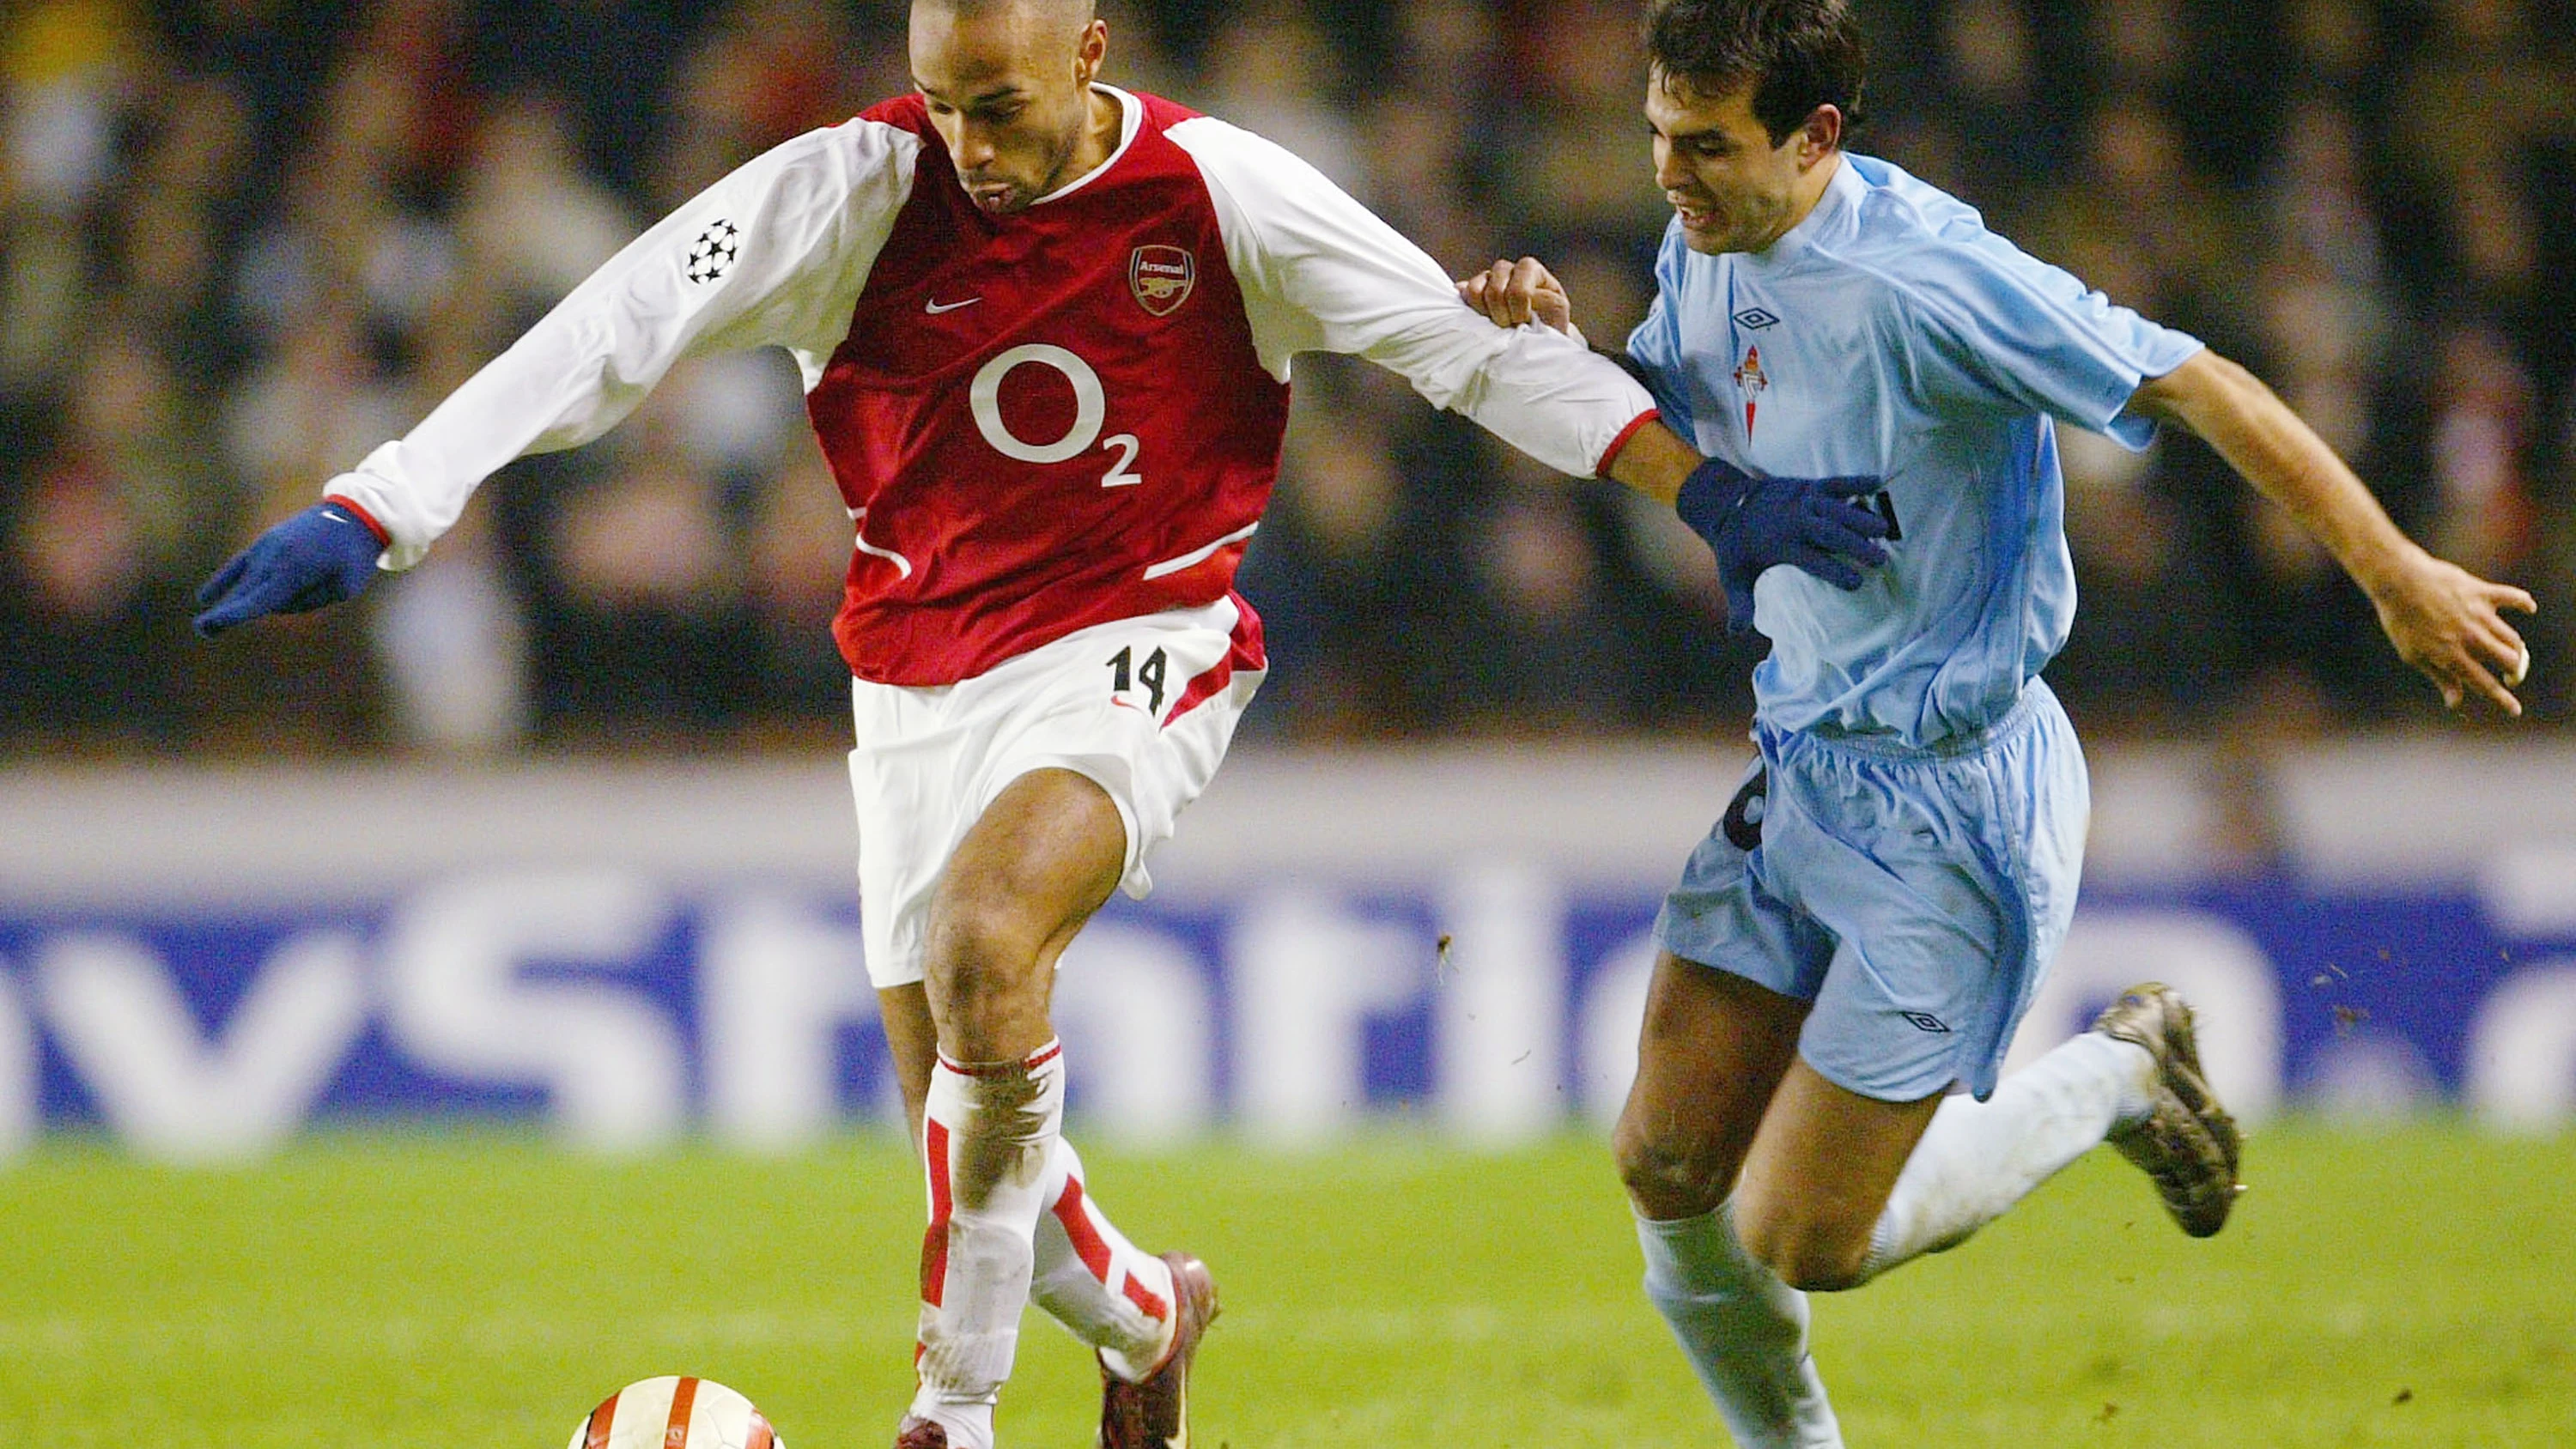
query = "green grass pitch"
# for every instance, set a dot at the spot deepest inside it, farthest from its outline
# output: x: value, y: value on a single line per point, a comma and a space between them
x: 2412, y: 1286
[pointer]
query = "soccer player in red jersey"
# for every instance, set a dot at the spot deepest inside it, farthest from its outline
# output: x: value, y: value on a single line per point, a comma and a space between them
x: 1045, y: 329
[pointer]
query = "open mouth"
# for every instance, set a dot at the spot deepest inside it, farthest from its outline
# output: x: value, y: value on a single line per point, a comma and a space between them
x: 989, y: 196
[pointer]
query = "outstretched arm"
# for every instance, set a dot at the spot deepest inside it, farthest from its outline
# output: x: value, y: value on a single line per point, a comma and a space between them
x: 2444, y: 620
x: 1752, y: 524
x: 773, y: 253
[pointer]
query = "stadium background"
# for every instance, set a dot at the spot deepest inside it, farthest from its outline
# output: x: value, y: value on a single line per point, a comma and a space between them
x: 552, y: 831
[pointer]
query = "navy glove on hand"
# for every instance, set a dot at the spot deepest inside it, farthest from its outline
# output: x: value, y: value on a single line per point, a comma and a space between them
x: 320, y: 556
x: 1817, y: 524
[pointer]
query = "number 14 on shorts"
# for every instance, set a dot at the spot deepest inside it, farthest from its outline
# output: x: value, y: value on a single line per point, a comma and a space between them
x: 1126, y: 675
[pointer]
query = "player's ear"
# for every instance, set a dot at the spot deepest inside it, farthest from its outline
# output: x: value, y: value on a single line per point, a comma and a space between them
x: 1821, y: 132
x: 1093, y: 50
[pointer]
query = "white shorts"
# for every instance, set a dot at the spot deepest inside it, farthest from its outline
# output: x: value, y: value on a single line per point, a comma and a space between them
x: 1144, y: 708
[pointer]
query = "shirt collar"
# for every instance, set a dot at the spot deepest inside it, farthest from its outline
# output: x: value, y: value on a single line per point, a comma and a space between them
x: 1842, y: 194
x: 1131, y: 119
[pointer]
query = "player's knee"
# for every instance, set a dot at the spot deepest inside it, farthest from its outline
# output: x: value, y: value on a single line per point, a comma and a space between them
x: 982, y: 961
x: 1808, y: 1254
x: 1669, y: 1174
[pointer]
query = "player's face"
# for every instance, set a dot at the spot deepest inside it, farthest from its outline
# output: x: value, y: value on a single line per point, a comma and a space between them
x: 1009, y: 90
x: 1733, y: 189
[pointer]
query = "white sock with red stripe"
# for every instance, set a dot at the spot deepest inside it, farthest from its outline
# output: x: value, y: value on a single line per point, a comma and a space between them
x: 989, y: 1134
x: 1104, y: 1289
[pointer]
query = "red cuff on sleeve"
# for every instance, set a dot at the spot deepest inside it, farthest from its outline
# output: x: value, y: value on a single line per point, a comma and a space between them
x: 1610, y: 454
x: 385, y: 537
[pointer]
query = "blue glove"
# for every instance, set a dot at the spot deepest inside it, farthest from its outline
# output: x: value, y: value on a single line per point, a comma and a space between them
x: 1817, y: 524
x: 320, y: 556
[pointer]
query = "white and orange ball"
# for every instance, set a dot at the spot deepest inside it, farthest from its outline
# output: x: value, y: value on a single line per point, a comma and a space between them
x: 675, y: 1413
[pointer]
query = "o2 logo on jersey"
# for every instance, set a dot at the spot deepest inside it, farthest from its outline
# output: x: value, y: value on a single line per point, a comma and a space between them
x: 1161, y: 277
x: 1090, y: 410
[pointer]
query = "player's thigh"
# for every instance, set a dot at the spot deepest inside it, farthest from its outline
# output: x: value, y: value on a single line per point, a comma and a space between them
x: 1945, y: 881
x: 1031, y: 869
x: 1712, y: 1048
x: 1819, y: 1174
x: 944, y: 783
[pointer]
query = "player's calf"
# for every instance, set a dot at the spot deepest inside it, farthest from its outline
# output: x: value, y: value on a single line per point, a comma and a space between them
x: 1819, y: 1176
x: 1811, y: 1252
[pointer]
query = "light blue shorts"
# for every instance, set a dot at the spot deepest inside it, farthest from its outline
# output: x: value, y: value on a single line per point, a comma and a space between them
x: 1914, y: 897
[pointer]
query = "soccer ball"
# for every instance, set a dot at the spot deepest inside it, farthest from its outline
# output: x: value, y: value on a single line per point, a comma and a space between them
x: 675, y: 1413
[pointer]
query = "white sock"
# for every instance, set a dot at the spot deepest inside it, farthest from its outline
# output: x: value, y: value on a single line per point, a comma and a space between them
x: 989, y: 1132
x: 1743, y: 1330
x: 1105, y: 1290
x: 1978, y: 1158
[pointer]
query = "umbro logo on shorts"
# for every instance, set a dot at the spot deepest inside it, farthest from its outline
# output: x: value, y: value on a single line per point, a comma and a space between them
x: 1925, y: 1021
x: 1755, y: 318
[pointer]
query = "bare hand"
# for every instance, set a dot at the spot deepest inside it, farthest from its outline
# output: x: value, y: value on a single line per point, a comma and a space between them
x: 2449, y: 623
x: 1511, y: 293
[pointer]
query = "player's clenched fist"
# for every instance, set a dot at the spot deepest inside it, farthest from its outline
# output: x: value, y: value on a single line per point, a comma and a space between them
x: 320, y: 556
x: 1511, y: 293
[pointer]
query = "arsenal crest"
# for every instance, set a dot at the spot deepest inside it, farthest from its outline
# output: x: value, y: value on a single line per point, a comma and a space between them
x: 1161, y: 277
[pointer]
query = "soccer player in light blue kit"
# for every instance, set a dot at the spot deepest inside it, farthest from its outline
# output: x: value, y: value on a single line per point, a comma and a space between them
x: 1863, y: 931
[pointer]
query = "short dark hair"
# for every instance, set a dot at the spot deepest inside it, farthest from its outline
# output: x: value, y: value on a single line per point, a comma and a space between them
x: 1798, y: 54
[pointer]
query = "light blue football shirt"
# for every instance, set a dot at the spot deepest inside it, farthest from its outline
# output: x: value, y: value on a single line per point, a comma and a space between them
x: 1890, y: 334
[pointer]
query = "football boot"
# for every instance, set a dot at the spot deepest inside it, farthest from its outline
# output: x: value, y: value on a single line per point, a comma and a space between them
x: 2186, y: 1143
x: 1154, y: 1412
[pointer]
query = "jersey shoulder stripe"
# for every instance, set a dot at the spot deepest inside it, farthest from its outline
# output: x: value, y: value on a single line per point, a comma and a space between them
x: 908, y: 113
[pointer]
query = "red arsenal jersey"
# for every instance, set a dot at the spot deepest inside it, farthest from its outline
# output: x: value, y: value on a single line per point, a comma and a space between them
x: 1039, y: 422
x: 1046, y: 420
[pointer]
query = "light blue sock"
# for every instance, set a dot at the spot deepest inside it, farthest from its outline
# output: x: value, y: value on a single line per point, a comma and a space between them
x: 1743, y: 1330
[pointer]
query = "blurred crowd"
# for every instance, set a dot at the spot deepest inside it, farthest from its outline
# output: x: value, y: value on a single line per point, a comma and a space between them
x: 243, y: 241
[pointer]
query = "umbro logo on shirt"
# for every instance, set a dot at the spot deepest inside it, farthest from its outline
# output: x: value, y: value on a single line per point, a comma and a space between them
x: 1755, y: 318
x: 1925, y: 1021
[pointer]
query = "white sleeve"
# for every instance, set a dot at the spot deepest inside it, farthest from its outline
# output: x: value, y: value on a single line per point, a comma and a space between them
x: 775, y: 253
x: 1320, y: 272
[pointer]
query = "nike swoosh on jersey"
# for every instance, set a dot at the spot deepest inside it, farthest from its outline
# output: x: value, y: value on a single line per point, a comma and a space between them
x: 934, y: 307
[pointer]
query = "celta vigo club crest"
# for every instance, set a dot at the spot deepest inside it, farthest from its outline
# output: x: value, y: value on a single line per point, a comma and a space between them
x: 1161, y: 277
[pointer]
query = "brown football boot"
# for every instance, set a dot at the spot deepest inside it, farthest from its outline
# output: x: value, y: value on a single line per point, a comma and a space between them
x: 2187, y: 1143
x: 1154, y: 1411
x: 920, y: 1434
